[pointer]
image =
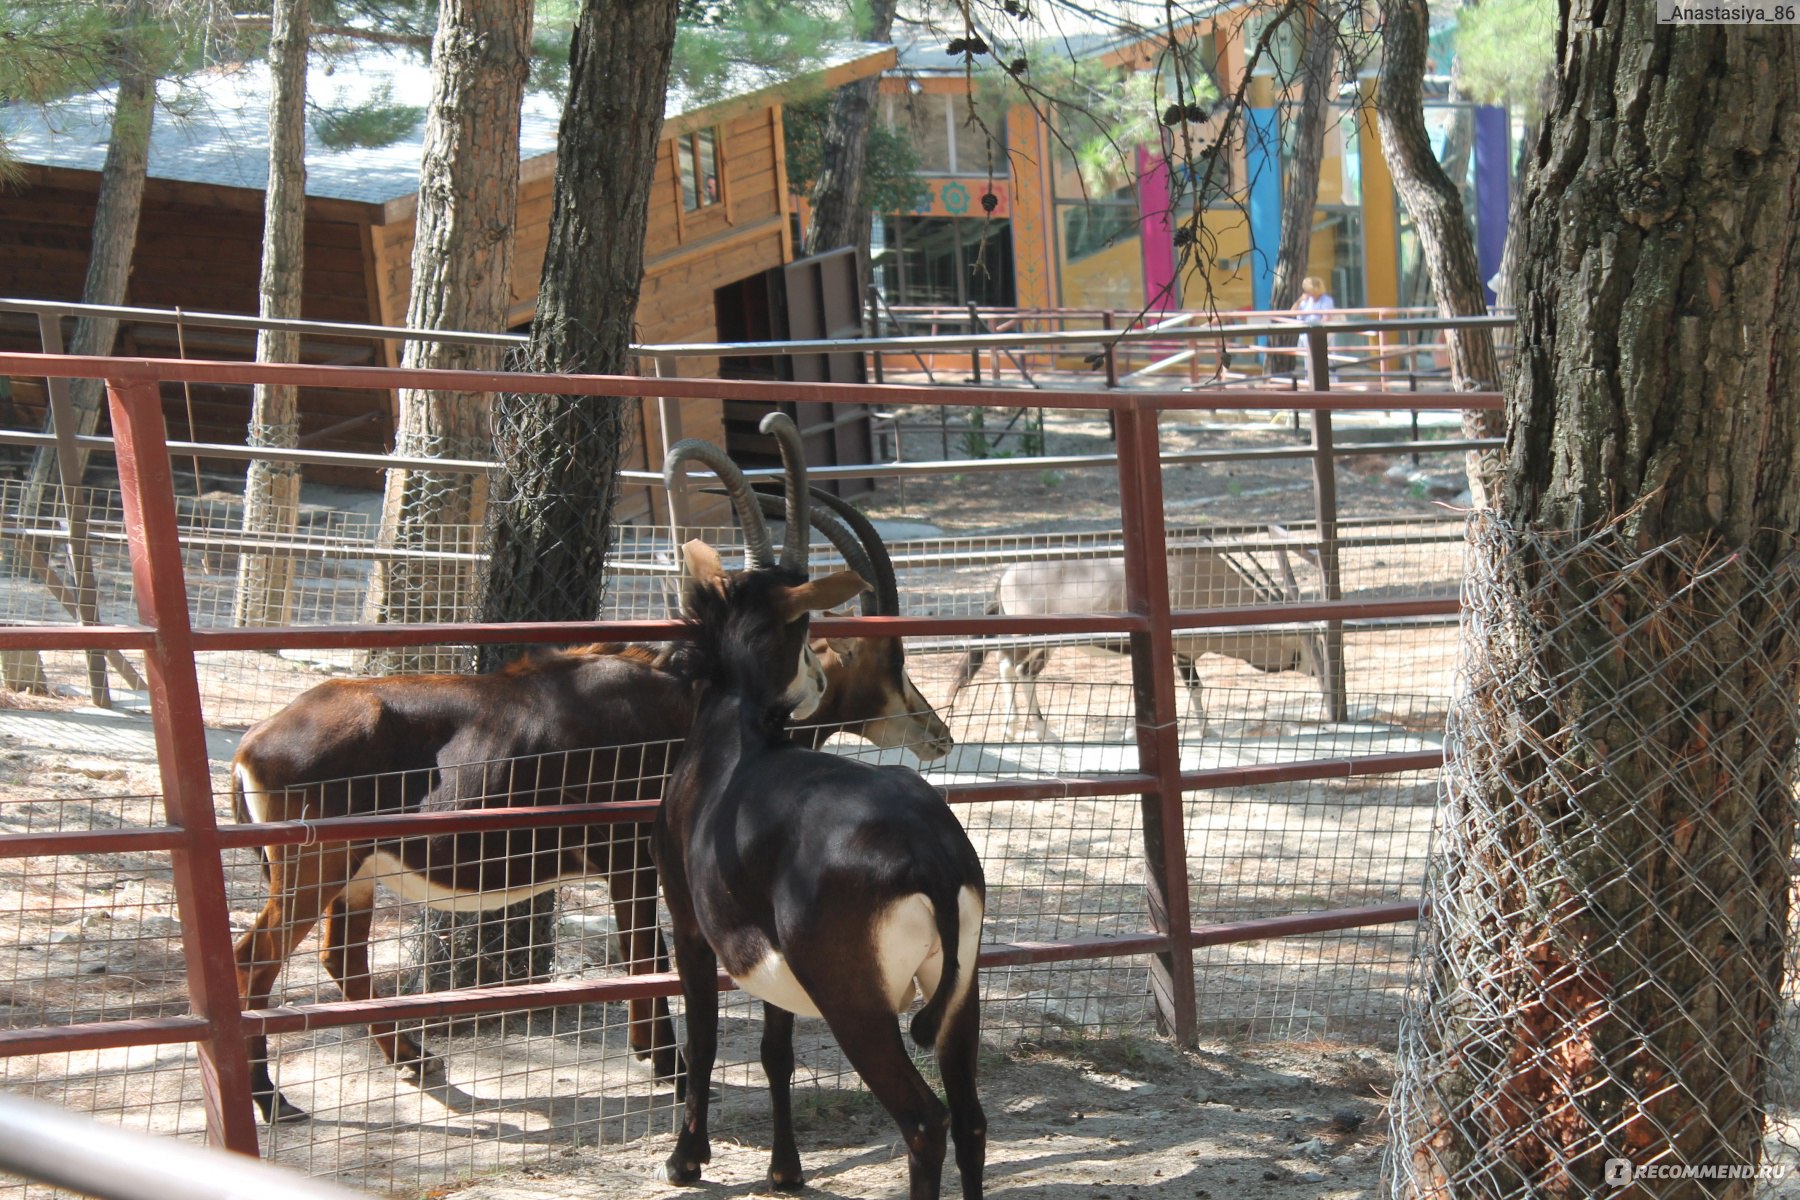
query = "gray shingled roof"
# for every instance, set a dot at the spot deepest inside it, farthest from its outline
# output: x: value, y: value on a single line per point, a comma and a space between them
x: 212, y: 128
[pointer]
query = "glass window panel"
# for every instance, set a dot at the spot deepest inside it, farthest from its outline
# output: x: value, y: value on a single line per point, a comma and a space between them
x: 1349, y: 134
x: 1089, y: 229
x: 706, y: 147
x: 1347, y: 286
x: 690, y: 187
x: 987, y: 250
x: 969, y: 145
x: 928, y: 118
x: 928, y: 260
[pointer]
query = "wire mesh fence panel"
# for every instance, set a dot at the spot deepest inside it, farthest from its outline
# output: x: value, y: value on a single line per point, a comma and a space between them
x: 94, y: 936
x: 1604, y: 994
x: 528, y: 1085
x: 418, y: 1105
x: 1061, y: 869
x: 1302, y: 847
x: 515, y: 1091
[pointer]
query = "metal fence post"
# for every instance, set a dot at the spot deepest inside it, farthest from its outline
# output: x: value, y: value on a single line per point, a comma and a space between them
x: 874, y: 326
x: 974, y: 351
x: 1331, y: 671
x: 1158, y: 736
x: 147, y: 484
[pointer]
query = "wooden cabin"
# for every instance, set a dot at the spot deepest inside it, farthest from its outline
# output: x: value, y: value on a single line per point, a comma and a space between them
x: 719, y: 227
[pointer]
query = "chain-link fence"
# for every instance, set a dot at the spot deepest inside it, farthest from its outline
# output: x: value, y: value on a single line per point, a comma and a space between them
x: 1599, y: 1002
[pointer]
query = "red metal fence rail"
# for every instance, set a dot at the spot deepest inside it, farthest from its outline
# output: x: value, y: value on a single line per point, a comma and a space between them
x: 195, y: 842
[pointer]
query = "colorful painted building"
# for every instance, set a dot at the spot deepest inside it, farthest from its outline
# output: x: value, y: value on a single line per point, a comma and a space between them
x: 1008, y: 220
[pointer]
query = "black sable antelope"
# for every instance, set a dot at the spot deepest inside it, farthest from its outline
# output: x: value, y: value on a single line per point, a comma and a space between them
x: 824, y: 886
x: 600, y: 723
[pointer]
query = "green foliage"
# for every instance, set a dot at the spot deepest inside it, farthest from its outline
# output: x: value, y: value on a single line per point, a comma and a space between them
x: 413, y: 20
x: 377, y: 121
x: 50, y: 49
x: 552, y: 29
x: 784, y: 40
x: 890, y: 182
x: 1031, y: 442
x: 1101, y: 114
x: 1504, y: 48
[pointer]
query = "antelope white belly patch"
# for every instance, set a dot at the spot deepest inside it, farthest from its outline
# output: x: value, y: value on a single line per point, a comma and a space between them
x: 908, y: 956
x: 772, y: 981
x: 391, y: 873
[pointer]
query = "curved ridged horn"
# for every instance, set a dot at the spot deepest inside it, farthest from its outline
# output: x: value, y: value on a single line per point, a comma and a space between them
x: 749, y: 513
x: 793, y: 459
x: 840, y: 536
x: 887, y: 590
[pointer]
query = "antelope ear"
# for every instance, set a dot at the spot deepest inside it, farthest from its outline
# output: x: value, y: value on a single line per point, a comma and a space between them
x: 817, y: 595
x: 703, y: 564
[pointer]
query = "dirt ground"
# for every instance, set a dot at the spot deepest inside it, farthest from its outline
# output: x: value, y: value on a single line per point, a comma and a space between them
x: 1113, y: 1119
x: 988, y: 501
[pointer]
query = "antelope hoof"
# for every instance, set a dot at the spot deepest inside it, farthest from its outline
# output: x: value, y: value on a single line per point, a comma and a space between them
x: 678, y: 1170
x: 421, y: 1068
x: 787, y: 1179
x: 277, y: 1111
x: 665, y: 1061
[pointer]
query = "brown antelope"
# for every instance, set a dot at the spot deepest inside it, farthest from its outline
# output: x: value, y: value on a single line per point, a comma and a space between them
x: 824, y: 886
x: 1199, y: 577
x: 600, y: 723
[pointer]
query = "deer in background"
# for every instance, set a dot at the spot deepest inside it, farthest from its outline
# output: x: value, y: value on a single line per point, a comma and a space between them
x: 1199, y: 577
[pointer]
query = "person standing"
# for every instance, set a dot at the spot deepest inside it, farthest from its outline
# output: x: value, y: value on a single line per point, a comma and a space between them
x: 1314, y: 300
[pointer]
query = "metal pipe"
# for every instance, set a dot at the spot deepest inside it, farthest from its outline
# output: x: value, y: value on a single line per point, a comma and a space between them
x: 158, y: 582
x: 713, y: 349
x: 1153, y: 698
x: 89, y: 1158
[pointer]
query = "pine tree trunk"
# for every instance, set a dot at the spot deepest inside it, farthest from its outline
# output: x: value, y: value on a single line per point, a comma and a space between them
x: 272, y: 489
x: 1432, y: 200
x: 552, y: 507
x: 1300, y: 195
x: 840, y: 215
x: 109, y: 270
x: 116, y: 210
x: 1655, y: 396
x: 461, y: 280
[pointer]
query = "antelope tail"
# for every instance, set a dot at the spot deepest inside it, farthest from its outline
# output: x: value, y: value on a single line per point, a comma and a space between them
x: 971, y: 662
x: 240, y: 812
x: 930, y: 1018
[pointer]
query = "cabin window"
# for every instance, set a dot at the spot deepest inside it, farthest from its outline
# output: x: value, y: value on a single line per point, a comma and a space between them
x: 697, y: 159
x: 950, y: 135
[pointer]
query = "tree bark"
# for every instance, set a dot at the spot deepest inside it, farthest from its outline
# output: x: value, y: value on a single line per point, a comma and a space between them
x: 116, y: 210
x: 840, y: 214
x: 552, y: 506
x: 1432, y: 200
x: 114, y: 238
x: 272, y: 489
x: 1655, y: 399
x: 551, y: 510
x: 1300, y: 194
x: 461, y: 280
